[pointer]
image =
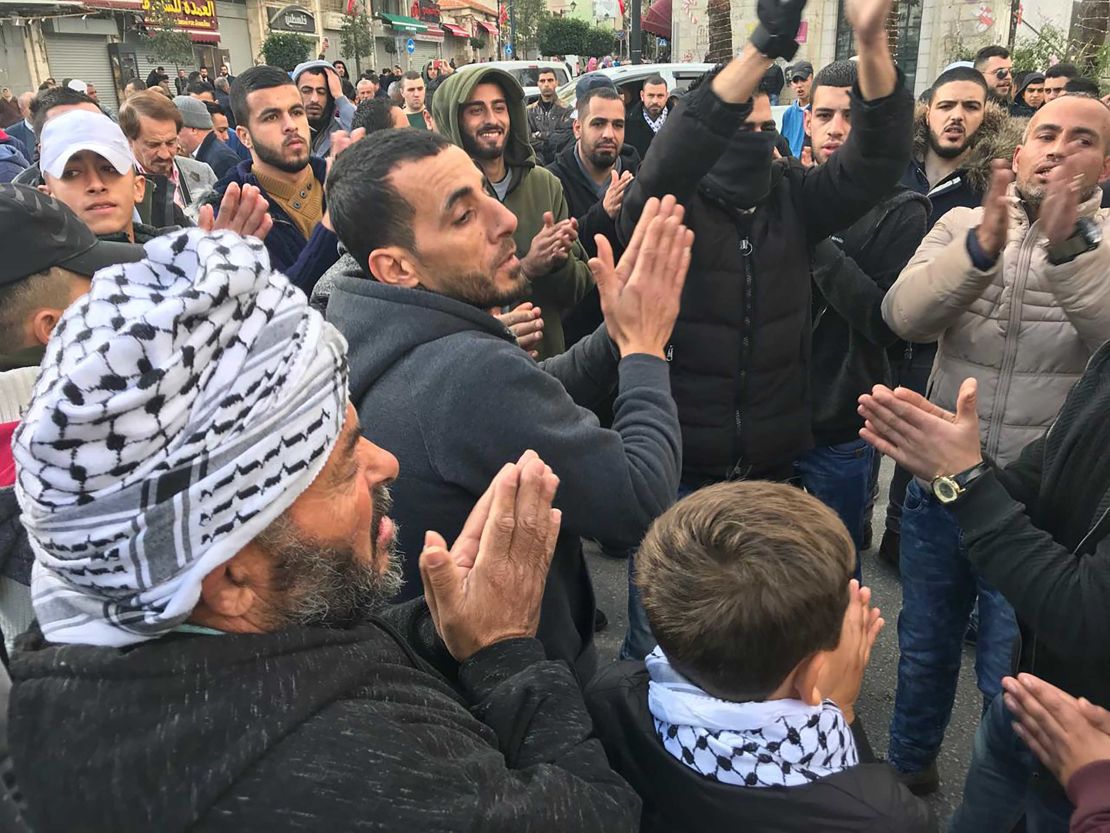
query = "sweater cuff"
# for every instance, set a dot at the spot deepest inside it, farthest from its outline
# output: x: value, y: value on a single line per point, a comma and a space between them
x: 491, y: 666
x: 1089, y: 788
x: 897, y: 97
x: 983, y: 507
x: 979, y: 259
x: 641, y: 370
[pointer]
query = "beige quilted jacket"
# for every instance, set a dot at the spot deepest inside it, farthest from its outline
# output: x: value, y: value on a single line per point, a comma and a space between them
x: 1024, y: 328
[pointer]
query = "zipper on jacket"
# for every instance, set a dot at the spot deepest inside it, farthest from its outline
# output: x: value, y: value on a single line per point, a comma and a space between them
x: 744, y: 245
x: 1009, y: 354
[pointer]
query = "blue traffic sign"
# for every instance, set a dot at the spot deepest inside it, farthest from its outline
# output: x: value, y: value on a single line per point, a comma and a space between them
x: 410, y: 46
x: 508, y: 50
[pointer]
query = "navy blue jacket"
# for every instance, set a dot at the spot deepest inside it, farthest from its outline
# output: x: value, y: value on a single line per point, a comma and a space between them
x: 215, y: 153
x: 302, y: 261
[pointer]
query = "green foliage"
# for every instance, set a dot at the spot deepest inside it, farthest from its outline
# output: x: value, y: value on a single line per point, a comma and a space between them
x: 479, y: 41
x: 165, y: 42
x: 286, y: 49
x: 390, y: 47
x: 601, y: 42
x: 527, y: 17
x: 356, y: 39
x: 563, y: 36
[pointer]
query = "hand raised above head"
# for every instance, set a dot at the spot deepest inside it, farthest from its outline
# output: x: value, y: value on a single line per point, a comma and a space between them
x: 489, y: 586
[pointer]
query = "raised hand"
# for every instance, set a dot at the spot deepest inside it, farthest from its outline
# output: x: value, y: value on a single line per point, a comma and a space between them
x: 867, y: 17
x: 244, y: 211
x: 488, y: 590
x: 341, y: 140
x: 335, y: 85
x: 842, y: 676
x: 640, y: 295
x: 525, y: 322
x: 1064, y: 732
x: 550, y: 247
x: 921, y: 437
x: 614, y: 196
x: 780, y: 19
x: 1060, y: 206
x: 995, y: 225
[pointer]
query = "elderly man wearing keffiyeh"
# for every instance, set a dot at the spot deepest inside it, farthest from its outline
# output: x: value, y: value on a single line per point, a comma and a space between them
x: 211, y: 554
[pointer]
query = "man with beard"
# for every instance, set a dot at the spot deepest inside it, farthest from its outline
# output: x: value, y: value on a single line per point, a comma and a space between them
x: 997, y: 68
x: 852, y: 270
x: 325, y: 104
x: 740, y: 355
x: 192, y: 440
x: 956, y: 135
x: 647, y: 117
x: 273, y: 124
x: 483, y: 113
x: 546, y: 115
x: 438, y: 379
x: 1010, y: 291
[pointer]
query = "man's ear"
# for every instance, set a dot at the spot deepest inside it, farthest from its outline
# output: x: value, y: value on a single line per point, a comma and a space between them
x: 43, y: 323
x: 244, y: 136
x: 230, y: 590
x: 394, y: 266
x: 140, y: 188
x: 577, y: 126
x: 807, y: 117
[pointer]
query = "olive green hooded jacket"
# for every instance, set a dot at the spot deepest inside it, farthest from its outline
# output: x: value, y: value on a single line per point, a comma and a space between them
x: 532, y: 191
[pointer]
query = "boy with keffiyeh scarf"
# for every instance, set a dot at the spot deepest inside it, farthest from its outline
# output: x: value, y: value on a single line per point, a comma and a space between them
x: 745, y: 708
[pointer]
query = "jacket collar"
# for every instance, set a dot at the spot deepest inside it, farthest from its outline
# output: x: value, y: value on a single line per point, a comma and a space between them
x: 1019, y: 216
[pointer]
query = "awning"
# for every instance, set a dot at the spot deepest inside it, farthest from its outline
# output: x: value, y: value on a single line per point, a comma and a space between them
x: 402, y: 23
x: 489, y: 27
x: 658, y: 19
x: 456, y: 31
x: 204, y: 37
x: 433, y: 32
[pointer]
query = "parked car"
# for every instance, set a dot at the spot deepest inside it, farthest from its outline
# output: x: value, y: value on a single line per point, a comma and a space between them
x: 629, y: 80
x: 527, y: 73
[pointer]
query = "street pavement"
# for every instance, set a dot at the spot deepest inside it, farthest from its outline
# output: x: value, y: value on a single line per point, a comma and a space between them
x: 876, y: 701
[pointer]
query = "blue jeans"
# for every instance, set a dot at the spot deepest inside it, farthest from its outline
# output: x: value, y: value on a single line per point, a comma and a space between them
x: 840, y: 477
x: 1005, y: 781
x: 638, y: 639
x: 939, y: 589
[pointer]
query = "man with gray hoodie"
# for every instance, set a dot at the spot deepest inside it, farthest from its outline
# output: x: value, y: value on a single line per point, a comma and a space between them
x: 328, y: 109
x: 442, y: 383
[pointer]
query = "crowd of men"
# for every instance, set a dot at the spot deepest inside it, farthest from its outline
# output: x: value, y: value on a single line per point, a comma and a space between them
x: 311, y: 390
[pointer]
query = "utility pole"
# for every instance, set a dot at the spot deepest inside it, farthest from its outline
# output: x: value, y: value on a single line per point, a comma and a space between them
x: 512, y: 33
x: 634, y: 36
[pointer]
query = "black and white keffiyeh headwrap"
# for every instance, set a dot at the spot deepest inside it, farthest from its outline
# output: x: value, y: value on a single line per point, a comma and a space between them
x: 775, y: 743
x: 184, y: 403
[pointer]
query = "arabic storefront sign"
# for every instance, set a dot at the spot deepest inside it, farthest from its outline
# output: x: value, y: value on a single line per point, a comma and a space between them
x: 293, y: 19
x: 187, y: 15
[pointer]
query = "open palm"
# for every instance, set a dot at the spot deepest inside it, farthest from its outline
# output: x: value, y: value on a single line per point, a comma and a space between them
x: 868, y: 17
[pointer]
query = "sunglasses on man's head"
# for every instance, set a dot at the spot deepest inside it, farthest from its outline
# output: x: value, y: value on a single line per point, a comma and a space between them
x: 1003, y: 73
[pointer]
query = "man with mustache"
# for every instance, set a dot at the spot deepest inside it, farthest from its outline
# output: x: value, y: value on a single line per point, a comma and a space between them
x: 956, y: 135
x: 327, y: 107
x: 439, y: 380
x: 272, y: 122
x: 1014, y: 293
x: 997, y: 67
x: 214, y: 556
x: 483, y: 113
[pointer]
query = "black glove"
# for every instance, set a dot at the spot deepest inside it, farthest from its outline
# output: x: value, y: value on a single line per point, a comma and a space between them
x: 779, y: 21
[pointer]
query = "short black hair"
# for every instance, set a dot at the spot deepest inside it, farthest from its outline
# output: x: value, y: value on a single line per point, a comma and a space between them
x: 949, y: 76
x: 988, y: 52
x: 369, y: 75
x: 836, y: 74
x: 200, y: 88
x: 374, y: 114
x: 1083, y: 86
x: 213, y: 108
x: 53, y: 97
x: 412, y: 75
x: 1062, y: 70
x: 607, y: 93
x: 137, y: 84
x: 655, y: 81
x: 255, y: 78
x: 359, y: 189
x: 546, y: 71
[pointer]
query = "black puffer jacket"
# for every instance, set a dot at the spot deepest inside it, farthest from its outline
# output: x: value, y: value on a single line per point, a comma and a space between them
x: 582, y: 200
x: 852, y: 270
x: 864, y: 799
x: 740, y: 350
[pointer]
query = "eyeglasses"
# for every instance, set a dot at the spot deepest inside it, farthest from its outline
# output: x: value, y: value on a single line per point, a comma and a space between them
x: 1003, y: 73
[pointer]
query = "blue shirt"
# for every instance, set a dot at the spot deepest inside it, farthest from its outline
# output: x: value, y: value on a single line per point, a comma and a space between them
x: 794, y: 128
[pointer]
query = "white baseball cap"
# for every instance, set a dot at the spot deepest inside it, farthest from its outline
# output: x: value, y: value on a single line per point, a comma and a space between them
x: 79, y: 130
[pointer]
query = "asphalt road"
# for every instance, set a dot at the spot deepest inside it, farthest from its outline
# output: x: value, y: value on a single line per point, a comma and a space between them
x: 877, y: 697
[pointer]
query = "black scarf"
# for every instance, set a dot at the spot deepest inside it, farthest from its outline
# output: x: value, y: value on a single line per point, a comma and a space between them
x: 1078, y: 499
x: 742, y: 176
